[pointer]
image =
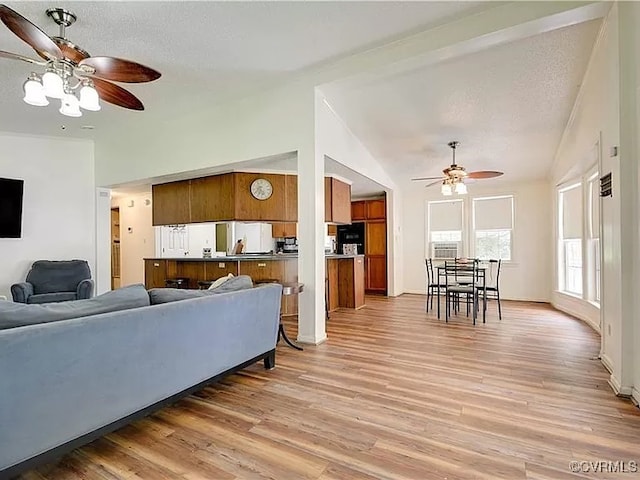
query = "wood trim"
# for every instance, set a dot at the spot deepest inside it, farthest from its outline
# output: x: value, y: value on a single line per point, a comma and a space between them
x: 45, y: 457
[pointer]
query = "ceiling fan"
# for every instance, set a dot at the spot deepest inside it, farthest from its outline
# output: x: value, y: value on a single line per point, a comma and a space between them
x: 69, y: 67
x: 455, y: 176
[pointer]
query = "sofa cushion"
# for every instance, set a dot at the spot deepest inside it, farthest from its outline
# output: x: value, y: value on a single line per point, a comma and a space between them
x: 166, y: 295
x: 52, y: 297
x: 19, y: 314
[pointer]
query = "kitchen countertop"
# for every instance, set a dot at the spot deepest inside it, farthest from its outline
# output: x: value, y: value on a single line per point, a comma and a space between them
x: 250, y: 257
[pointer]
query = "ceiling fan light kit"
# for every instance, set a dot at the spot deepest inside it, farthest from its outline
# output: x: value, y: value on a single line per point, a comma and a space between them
x: 70, y: 69
x: 456, y: 175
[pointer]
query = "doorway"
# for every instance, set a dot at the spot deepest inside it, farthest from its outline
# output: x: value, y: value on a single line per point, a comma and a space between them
x: 115, y: 248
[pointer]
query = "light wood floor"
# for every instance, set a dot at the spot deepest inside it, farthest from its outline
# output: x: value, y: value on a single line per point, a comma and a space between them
x: 394, y: 393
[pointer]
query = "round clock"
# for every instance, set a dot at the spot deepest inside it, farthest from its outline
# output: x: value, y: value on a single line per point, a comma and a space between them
x: 261, y: 188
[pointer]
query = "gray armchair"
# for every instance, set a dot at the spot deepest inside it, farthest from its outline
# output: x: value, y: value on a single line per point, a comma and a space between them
x: 55, y: 281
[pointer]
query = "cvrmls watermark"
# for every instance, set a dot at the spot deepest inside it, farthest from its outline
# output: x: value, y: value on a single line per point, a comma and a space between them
x: 604, y: 466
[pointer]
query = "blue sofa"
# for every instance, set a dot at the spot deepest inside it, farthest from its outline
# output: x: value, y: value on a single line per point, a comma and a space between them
x: 65, y: 383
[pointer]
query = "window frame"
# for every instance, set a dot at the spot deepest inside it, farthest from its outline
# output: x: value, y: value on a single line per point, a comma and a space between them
x: 428, y: 242
x: 473, y: 230
x: 561, y: 272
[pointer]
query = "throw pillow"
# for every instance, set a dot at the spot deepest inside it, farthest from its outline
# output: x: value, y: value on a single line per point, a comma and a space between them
x: 219, y: 282
x: 166, y: 295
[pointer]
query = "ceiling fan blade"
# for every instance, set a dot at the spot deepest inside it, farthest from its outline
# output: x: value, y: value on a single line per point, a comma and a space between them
x: 112, y: 93
x: 119, y: 70
x: 15, y: 56
x: 30, y: 34
x: 437, y: 182
x: 427, y: 178
x: 482, y: 174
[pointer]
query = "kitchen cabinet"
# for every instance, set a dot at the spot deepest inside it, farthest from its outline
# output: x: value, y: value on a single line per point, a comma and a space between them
x: 337, y: 201
x: 373, y: 213
x: 333, y: 293
x: 376, y: 237
x: 376, y: 274
x: 291, y: 198
x: 376, y: 209
x: 228, y: 197
x: 155, y: 273
x: 212, y: 198
x: 249, y: 208
x: 215, y: 270
x: 351, y: 272
x: 282, y: 230
x: 171, y: 203
x: 358, y: 210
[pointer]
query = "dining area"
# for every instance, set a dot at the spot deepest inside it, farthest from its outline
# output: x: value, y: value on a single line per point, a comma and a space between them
x: 466, y: 284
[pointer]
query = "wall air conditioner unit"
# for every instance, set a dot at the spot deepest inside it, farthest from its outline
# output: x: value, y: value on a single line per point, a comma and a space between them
x: 445, y: 250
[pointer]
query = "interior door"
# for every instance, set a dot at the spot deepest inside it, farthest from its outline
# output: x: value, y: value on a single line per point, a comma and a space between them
x: 175, y: 241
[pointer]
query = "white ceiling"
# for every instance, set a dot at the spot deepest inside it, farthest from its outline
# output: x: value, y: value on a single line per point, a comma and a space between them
x: 224, y: 48
x: 507, y: 105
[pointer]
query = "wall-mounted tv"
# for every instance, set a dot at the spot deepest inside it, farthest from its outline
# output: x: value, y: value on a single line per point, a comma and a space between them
x: 11, y: 207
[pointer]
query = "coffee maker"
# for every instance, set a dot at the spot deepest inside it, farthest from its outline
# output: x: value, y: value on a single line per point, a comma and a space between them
x: 287, y: 245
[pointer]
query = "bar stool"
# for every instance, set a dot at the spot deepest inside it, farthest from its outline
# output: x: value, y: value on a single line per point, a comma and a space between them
x: 204, y: 284
x: 180, y: 282
x: 287, y: 289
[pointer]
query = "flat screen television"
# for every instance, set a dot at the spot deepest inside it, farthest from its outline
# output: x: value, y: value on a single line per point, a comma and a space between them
x: 11, y: 207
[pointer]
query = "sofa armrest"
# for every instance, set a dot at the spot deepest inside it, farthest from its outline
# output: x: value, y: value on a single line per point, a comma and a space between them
x: 85, y: 289
x: 21, y: 291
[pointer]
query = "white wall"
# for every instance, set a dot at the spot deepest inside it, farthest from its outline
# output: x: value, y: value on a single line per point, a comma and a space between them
x: 137, y: 236
x: 596, y: 118
x: 528, y: 276
x: 335, y: 140
x: 58, y: 218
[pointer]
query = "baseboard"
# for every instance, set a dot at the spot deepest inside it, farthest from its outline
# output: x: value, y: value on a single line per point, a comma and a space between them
x: 311, y: 340
x: 50, y: 455
x: 576, y: 308
x: 618, y: 388
x: 606, y: 361
x: 635, y: 396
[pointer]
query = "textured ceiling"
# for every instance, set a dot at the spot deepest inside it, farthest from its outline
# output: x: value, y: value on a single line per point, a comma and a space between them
x: 221, y: 47
x: 507, y: 105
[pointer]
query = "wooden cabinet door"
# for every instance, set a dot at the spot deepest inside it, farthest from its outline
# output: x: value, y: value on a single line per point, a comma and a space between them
x: 214, y: 270
x: 328, y: 211
x: 291, y: 198
x: 171, y: 203
x: 212, y: 198
x: 282, y: 230
x: 249, y: 208
x: 358, y: 210
x: 332, y: 296
x: 376, y: 238
x: 376, y: 209
x: 262, y: 269
x: 340, y: 202
x: 377, y: 274
x: 155, y: 273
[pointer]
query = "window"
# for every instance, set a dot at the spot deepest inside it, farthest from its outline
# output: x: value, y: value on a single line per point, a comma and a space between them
x: 444, y: 224
x: 493, y: 227
x: 570, y: 239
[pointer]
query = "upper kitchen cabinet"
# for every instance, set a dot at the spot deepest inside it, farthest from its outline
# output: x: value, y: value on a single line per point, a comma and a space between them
x: 291, y: 198
x: 376, y: 209
x: 358, y: 211
x: 259, y: 197
x: 337, y: 201
x: 212, y: 198
x: 171, y: 204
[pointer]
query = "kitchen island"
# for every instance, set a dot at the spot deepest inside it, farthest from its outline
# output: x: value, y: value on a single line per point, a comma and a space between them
x: 344, y: 274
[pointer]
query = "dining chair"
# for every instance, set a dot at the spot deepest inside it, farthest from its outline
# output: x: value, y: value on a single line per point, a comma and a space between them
x: 456, y: 292
x: 434, y: 285
x: 492, y: 289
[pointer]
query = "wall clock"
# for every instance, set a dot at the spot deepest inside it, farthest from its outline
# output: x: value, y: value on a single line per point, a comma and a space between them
x: 261, y: 188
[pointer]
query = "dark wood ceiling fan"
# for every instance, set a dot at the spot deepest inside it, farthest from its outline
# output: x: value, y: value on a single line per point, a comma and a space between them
x: 455, y: 173
x: 71, y: 61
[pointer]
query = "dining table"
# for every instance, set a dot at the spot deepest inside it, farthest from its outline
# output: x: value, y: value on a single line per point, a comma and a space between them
x: 466, y: 269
